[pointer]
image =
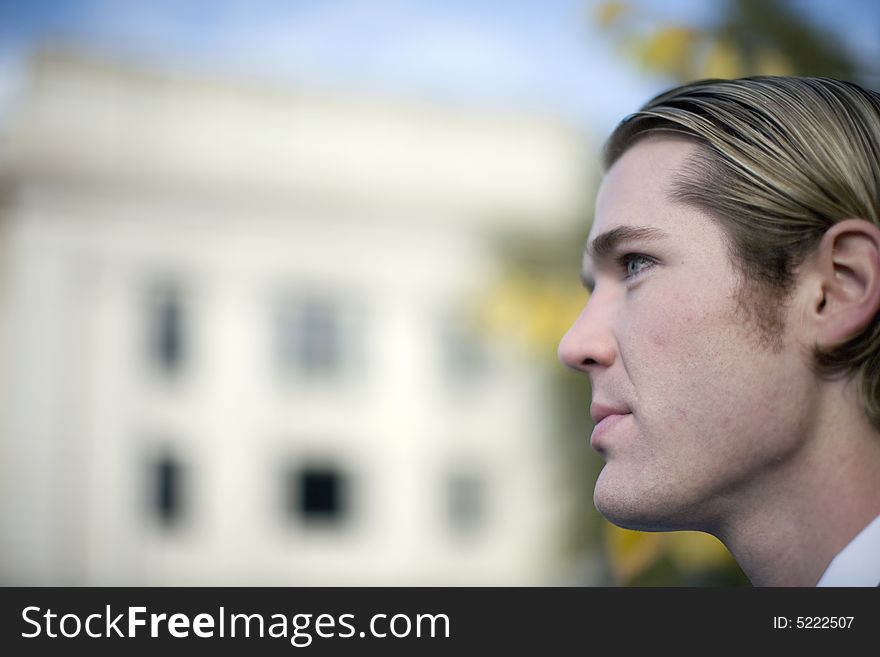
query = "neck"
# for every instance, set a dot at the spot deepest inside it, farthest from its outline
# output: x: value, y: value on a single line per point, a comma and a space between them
x: 789, y: 526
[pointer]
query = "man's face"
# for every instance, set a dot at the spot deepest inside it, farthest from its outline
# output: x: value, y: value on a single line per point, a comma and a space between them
x: 695, y: 412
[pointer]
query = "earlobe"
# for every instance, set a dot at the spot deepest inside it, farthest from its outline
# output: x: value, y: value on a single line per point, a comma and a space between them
x: 849, y: 266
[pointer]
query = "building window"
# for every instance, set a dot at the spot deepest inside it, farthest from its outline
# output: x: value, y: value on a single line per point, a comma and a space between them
x: 166, y: 331
x: 167, y: 483
x: 311, y: 338
x: 466, y: 502
x: 317, y: 494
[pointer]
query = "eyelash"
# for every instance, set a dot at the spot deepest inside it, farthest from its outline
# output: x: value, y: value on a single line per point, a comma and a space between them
x: 625, y: 259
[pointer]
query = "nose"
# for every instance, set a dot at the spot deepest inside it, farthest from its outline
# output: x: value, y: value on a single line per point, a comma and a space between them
x: 589, y: 344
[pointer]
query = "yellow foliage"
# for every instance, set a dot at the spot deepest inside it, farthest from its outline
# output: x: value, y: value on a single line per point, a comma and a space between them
x: 696, y: 551
x: 503, y: 305
x: 608, y: 13
x: 723, y: 61
x: 534, y: 310
x: 631, y: 553
x: 670, y: 50
x: 552, y: 310
x: 772, y: 62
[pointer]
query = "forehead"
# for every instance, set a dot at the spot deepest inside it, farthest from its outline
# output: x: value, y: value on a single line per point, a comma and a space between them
x: 635, y: 191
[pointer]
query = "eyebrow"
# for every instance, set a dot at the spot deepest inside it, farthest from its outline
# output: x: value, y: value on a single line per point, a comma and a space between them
x: 609, y: 241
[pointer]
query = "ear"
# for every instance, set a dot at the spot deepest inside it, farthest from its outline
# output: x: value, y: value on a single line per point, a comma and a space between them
x: 848, y: 294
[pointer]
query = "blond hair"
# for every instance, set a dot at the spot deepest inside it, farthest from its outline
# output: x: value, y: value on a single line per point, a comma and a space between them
x: 782, y: 160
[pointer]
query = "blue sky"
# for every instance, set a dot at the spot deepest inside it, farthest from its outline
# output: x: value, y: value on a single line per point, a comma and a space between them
x: 529, y: 54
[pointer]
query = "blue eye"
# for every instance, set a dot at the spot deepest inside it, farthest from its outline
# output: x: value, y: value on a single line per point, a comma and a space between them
x: 634, y: 264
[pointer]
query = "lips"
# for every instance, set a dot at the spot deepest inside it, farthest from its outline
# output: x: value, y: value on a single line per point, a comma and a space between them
x: 606, y: 417
x: 599, y: 411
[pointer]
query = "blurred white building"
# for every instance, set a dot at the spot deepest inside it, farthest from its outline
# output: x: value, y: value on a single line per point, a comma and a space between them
x: 235, y: 336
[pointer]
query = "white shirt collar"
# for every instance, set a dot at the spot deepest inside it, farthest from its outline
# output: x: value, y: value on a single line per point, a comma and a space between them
x: 858, y: 564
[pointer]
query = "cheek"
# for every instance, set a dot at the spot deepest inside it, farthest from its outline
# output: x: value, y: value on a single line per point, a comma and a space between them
x: 683, y: 356
x: 667, y: 339
x: 693, y: 367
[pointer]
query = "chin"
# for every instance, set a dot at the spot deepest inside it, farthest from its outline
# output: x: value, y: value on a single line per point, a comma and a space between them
x: 629, y: 509
x: 626, y: 519
x: 619, y: 508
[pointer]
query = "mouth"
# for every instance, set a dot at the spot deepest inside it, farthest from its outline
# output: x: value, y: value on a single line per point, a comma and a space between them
x: 599, y: 411
x: 606, y: 418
